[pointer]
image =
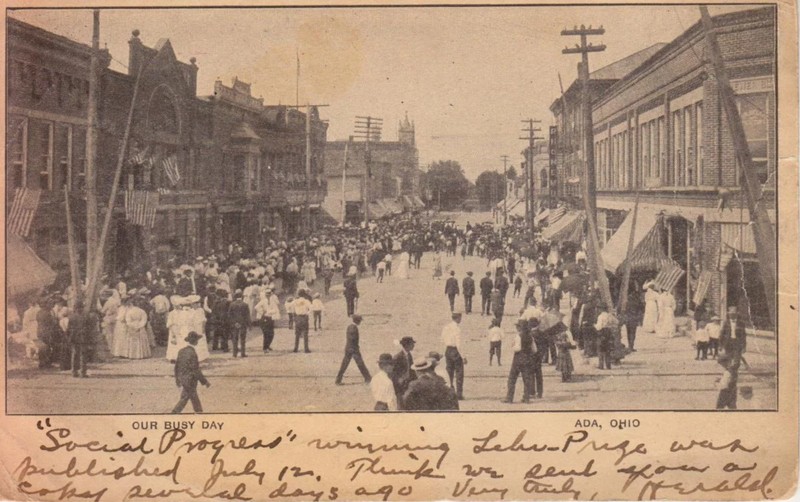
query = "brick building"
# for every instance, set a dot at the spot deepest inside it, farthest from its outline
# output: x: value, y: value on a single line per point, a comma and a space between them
x: 241, y: 163
x: 660, y: 132
x: 395, y: 182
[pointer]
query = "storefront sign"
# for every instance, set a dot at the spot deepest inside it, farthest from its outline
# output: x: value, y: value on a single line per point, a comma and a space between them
x: 553, y: 153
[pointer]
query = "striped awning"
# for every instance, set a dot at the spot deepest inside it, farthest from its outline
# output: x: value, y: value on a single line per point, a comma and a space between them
x: 567, y: 228
x: 738, y: 236
x: 647, y: 251
x: 702, y: 287
x: 417, y: 201
x: 376, y: 211
x: 556, y: 214
x: 26, y: 272
x: 539, y: 218
x: 407, y: 202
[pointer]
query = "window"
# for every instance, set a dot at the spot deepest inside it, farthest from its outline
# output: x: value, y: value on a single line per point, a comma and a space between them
x: 753, y: 111
x: 645, y: 150
x: 41, y: 143
x: 662, y: 148
x: 698, y: 113
x: 239, y: 173
x: 78, y: 158
x: 63, y: 155
x: 677, y: 160
x: 687, y: 146
x: 17, y: 153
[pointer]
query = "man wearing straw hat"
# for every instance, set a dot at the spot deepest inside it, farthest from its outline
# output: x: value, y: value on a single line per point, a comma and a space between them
x: 188, y: 374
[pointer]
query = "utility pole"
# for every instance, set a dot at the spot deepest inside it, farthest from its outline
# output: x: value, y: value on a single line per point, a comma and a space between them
x: 504, y: 158
x: 762, y: 228
x: 368, y: 128
x: 91, y: 148
x: 344, y: 180
x: 588, y: 178
x: 306, y: 199
x: 529, y: 179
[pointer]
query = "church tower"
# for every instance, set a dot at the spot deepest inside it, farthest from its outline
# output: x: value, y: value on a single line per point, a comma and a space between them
x: 405, y: 131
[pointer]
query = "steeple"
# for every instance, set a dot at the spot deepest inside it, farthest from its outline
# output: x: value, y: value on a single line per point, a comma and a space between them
x: 405, y: 131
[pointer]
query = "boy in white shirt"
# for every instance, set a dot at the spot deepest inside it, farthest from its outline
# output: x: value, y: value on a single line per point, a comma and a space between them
x: 317, y: 307
x: 714, y: 329
x: 381, y: 270
x: 289, y: 306
x: 701, y: 338
x: 495, y: 340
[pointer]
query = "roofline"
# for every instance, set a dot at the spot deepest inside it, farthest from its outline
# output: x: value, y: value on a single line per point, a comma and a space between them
x: 70, y: 44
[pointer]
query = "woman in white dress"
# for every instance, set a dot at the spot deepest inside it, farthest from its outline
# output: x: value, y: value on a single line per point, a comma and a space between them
x: 666, y: 315
x: 138, y: 337
x: 119, y: 345
x: 402, y: 265
x: 109, y: 312
x: 195, y: 320
x: 650, y: 308
x: 174, y: 319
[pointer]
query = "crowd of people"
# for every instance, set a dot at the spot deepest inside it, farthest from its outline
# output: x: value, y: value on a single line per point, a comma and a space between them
x: 207, y: 305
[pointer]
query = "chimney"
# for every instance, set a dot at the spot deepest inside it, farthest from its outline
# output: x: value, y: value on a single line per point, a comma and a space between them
x: 135, y: 53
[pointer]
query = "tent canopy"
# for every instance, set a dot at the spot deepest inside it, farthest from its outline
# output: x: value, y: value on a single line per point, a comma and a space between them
x: 26, y: 272
x: 568, y: 227
x: 539, y: 218
x: 646, y: 241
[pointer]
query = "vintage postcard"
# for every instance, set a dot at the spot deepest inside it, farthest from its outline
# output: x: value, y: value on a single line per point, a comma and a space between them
x: 413, y: 251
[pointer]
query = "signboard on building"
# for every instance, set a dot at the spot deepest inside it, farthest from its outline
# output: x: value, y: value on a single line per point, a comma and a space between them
x: 553, y: 154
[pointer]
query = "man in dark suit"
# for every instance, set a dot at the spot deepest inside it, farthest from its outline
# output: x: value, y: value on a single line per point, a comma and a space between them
x: 81, y: 333
x: 47, y: 333
x: 402, y: 373
x: 219, y: 321
x: 429, y: 391
x: 188, y: 374
x: 486, y: 286
x: 734, y: 338
x: 351, y: 294
x: 468, y: 290
x: 352, y: 350
x: 501, y: 283
x: 451, y: 289
x: 238, y: 320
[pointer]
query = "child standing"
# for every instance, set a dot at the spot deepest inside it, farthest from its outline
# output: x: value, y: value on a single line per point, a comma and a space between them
x: 317, y: 307
x: 495, y: 340
x: 713, y: 329
x: 381, y: 270
x: 701, y: 338
x: 289, y: 306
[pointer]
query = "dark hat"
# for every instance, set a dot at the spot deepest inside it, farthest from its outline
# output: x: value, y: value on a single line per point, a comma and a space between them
x: 385, y: 359
x: 469, y: 273
x: 357, y: 318
x: 193, y: 337
x: 521, y: 323
x: 407, y: 340
x: 238, y: 294
x: 533, y: 323
x: 452, y: 272
x: 434, y: 355
x: 222, y: 292
x: 455, y: 315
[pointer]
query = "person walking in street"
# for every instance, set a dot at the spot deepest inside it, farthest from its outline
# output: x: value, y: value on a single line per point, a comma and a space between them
x: 540, y: 339
x: 380, y: 269
x: 351, y: 292
x: 486, y: 286
x: 188, y: 375
x: 382, y: 387
x: 522, y: 363
x: 388, y: 262
x: 634, y: 317
x: 82, y: 335
x: 502, y: 284
x: 437, y: 265
x: 468, y: 290
x: 268, y: 311
x: 352, y: 350
x: 665, y: 327
x: 495, y: 341
x: 402, y: 372
x: 650, y: 318
x: 429, y: 392
x: 302, y: 308
x: 451, y: 289
x: 451, y: 337
x: 734, y: 337
x: 317, y: 308
x: 605, y: 339
x: 238, y: 320
x: 714, y: 330
x: 219, y: 321
x: 498, y: 308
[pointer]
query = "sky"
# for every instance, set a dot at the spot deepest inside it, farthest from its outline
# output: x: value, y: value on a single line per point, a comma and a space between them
x: 466, y: 76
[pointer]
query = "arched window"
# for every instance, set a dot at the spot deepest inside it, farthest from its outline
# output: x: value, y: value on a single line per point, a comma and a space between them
x: 161, y: 114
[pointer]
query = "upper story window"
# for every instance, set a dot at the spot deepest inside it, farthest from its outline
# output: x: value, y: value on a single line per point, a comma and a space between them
x: 753, y: 112
x: 162, y: 115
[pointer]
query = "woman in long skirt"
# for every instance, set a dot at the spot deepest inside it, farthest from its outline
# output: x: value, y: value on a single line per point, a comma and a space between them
x: 650, y: 308
x: 665, y: 328
x: 119, y: 345
x: 437, y: 265
x: 402, y: 265
x: 565, y: 344
x: 138, y: 337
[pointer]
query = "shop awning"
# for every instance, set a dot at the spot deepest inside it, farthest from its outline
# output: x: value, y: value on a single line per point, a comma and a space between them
x: 26, y: 272
x: 376, y: 211
x: 417, y: 201
x: 517, y: 210
x: 739, y: 237
x: 567, y: 228
x: 539, y: 218
x: 407, y: 202
x: 390, y: 206
x: 647, y: 251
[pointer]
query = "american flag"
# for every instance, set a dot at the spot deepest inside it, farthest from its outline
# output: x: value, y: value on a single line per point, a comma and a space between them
x: 170, y: 165
x: 669, y: 276
x: 702, y: 287
x: 140, y: 207
x: 556, y: 214
x: 23, y: 209
x: 141, y: 157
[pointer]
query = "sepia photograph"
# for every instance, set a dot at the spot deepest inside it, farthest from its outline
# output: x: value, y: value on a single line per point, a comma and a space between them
x: 464, y: 208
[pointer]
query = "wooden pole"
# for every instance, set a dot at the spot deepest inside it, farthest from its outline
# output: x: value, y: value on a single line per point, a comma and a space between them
x: 763, y: 231
x: 73, y: 254
x: 622, y: 302
x: 93, y: 275
x: 91, y: 146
